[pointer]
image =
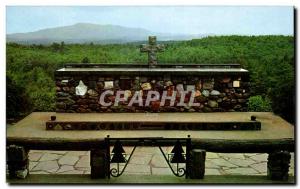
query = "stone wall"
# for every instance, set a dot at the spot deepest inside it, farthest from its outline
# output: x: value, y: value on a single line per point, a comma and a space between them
x: 214, y: 93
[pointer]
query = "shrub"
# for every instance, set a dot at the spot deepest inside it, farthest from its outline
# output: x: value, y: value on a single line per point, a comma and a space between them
x: 16, y: 100
x: 259, y: 104
x: 85, y: 60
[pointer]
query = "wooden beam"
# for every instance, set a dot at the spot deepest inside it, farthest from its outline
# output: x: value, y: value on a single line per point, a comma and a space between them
x: 147, y: 179
x: 57, y: 144
x: 244, y: 146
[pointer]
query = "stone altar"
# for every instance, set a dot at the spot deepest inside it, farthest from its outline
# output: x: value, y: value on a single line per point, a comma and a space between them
x: 195, y: 99
x: 275, y: 138
x: 91, y: 88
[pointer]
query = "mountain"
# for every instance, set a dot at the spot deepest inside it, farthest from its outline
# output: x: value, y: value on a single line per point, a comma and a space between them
x: 86, y: 33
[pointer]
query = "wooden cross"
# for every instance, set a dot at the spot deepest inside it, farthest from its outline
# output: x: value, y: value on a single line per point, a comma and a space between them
x: 152, y: 48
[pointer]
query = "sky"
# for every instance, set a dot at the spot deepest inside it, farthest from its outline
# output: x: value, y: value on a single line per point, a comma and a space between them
x: 217, y: 20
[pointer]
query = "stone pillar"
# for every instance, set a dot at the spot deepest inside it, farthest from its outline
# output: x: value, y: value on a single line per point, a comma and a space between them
x: 278, y: 165
x: 99, y: 163
x: 197, y: 168
x: 17, y: 161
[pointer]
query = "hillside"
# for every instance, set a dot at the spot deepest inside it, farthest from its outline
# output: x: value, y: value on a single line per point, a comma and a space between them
x: 270, y: 60
x: 87, y: 33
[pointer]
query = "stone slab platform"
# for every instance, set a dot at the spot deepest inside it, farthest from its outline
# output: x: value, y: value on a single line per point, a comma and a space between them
x: 33, y: 126
x: 275, y: 134
x: 137, y: 179
x: 150, y: 121
x: 157, y: 117
x: 151, y: 71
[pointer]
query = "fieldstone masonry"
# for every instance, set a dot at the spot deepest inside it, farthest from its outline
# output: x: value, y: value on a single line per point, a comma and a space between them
x: 217, y: 88
x: 151, y: 49
x: 214, y: 93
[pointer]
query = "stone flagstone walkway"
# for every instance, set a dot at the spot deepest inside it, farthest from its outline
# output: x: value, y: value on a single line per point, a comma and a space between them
x: 148, y: 161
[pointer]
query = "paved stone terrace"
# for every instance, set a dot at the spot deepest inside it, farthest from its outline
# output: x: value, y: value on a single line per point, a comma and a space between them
x: 148, y: 161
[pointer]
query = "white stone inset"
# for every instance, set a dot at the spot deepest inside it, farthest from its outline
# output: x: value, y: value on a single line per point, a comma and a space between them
x: 146, y: 86
x: 108, y: 84
x: 190, y: 87
x: 236, y: 83
x: 81, y: 89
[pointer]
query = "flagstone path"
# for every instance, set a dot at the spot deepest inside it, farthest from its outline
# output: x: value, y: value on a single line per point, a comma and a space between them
x: 148, y: 161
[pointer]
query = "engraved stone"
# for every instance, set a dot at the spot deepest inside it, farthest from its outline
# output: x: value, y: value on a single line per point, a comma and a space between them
x: 214, y: 93
x: 208, y: 85
x: 205, y: 93
x: 197, y: 93
x: 179, y: 87
x: 168, y: 83
x: 117, y: 84
x: 190, y: 87
x: 92, y: 92
x: 198, y: 85
x: 146, y: 86
x: 127, y: 94
x: 236, y: 83
x: 81, y: 88
x: 108, y: 84
x: 212, y: 104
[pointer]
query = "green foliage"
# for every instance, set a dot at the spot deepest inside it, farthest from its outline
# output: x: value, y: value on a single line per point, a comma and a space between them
x: 41, y: 91
x: 55, y: 47
x: 269, y: 59
x: 62, y: 46
x: 85, y: 60
x: 258, y: 104
x: 16, y: 100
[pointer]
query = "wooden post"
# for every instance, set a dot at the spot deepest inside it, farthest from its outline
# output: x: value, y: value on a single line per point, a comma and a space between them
x: 17, y: 161
x: 99, y: 163
x: 278, y: 165
x: 197, y: 164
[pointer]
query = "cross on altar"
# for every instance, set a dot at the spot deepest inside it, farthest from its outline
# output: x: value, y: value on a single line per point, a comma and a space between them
x: 152, y: 48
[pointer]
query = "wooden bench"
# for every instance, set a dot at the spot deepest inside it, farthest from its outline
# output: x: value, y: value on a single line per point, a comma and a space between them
x: 276, y: 138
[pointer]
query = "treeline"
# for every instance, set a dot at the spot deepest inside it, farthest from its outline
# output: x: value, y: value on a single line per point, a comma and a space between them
x: 270, y: 60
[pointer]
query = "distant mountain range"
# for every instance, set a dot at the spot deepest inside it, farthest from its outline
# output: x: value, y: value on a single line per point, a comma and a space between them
x: 96, y: 33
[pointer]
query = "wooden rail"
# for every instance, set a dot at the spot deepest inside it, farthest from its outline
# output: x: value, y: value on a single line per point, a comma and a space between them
x: 244, y: 146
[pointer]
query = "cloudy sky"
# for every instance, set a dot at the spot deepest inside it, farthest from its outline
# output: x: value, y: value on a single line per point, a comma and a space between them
x: 218, y: 20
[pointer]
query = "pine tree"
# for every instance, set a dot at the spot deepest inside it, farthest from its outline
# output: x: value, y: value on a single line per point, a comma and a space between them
x: 85, y: 60
x: 177, y: 153
x: 118, y: 153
